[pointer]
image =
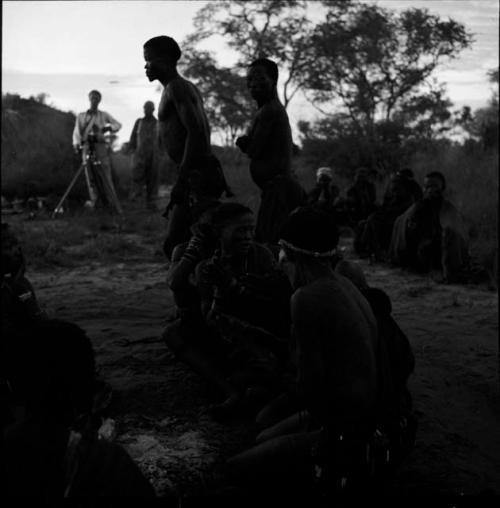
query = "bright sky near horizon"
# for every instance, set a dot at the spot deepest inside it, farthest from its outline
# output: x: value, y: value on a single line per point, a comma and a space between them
x: 66, y: 48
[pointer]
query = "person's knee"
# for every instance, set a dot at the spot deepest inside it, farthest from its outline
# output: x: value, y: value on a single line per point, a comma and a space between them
x: 173, y: 338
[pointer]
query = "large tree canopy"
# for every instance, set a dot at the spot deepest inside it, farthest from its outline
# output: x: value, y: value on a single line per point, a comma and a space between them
x: 372, y: 59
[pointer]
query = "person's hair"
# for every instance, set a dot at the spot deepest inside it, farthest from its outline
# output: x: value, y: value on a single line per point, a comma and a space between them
x: 268, y: 65
x: 226, y: 212
x: 95, y: 92
x: 164, y: 46
x: 51, y: 368
x: 310, y: 231
x: 438, y: 176
x: 149, y: 103
x: 200, y: 208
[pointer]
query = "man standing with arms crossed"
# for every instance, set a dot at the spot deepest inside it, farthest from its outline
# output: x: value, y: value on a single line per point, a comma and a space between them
x: 90, y: 127
x: 184, y: 133
x: 143, y: 142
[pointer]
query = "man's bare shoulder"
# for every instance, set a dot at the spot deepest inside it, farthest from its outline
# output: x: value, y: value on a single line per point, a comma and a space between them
x: 182, y: 89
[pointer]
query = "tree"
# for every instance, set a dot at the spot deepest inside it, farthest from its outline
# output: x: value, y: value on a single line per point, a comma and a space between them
x: 370, y: 59
x: 276, y: 29
x: 227, y: 102
x: 483, y: 124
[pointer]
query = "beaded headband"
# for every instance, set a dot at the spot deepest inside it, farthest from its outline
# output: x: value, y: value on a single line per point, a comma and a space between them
x: 315, y: 254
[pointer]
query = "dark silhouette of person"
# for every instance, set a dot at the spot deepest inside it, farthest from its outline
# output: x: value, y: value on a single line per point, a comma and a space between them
x: 184, y: 133
x: 269, y: 145
x: 52, y: 447
x: 144, y: 145
x: 90, y: 129
x: 430, y: 235
x: 373, y: 236
x: 362, y: 195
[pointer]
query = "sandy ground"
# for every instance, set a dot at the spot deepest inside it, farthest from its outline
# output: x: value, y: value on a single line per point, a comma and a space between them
x: 160, y: 407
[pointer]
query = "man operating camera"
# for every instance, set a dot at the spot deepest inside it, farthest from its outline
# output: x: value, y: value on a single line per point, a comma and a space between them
x: 89, y: 139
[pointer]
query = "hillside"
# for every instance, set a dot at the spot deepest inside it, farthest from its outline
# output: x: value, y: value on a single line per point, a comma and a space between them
x: 37, y: 155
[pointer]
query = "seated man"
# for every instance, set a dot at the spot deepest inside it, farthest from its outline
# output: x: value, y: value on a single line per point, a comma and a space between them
x: 245, y: 299
x: 335, y: 337
x: 430, y: 235
x: 325, y: 193
x: 51, y: 448
x: 373, y: 236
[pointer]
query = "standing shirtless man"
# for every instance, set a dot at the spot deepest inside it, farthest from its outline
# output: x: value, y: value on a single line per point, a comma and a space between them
x: 184, y: 133
x: 269, y: 146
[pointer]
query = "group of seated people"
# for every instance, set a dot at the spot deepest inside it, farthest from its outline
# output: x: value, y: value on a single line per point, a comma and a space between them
x: 301, y: 344
x: 417, y: 229
x: 298, y: 343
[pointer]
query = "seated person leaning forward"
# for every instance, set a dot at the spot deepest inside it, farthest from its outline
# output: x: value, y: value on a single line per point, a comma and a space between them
x: 52, y: 447
x: 335, y: 338
x: 431, y: 235
x: 245, y: 300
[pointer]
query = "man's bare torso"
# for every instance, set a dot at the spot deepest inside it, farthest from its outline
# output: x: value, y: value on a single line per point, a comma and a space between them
x: 180, y: 93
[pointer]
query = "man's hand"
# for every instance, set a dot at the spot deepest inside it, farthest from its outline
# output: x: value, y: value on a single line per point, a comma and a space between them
x: 242, y: 143
x: 219, y: 276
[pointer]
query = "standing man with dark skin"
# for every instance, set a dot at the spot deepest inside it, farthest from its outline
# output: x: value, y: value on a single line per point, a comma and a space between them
x: 269, y: 146
x: 143, y: 142
x: 184, y: 133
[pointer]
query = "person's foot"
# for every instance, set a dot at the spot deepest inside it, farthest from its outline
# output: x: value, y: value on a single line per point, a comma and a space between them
x: 227, y: 409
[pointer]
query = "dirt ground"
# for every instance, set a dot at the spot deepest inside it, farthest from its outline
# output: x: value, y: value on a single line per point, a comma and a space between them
x: 160, y: 407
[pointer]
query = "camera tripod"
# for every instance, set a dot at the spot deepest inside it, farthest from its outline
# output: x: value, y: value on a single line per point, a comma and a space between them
x: 101, y: 183
x: 87, y: 167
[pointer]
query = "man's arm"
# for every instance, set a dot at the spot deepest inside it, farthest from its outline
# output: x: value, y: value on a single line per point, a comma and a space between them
x: 77, y: 135
x: 261, y: 133
x: 115, y: 125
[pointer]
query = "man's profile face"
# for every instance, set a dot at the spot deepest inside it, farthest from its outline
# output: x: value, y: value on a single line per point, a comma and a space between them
x: 433, y: 188
x: 259, y: 83
x: 148, y: 109
x: 237, y: 235
x: 94, y: 100
x: 156, y: 65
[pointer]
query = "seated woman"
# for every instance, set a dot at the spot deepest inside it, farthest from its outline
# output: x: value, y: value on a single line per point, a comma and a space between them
x: 244, y: 298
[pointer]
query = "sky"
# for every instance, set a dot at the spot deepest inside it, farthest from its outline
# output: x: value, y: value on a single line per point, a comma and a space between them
x: 66, y: 48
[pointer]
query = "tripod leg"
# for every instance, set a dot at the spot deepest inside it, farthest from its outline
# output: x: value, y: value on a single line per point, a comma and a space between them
x: 68, y: 190
x: 92, y: 193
